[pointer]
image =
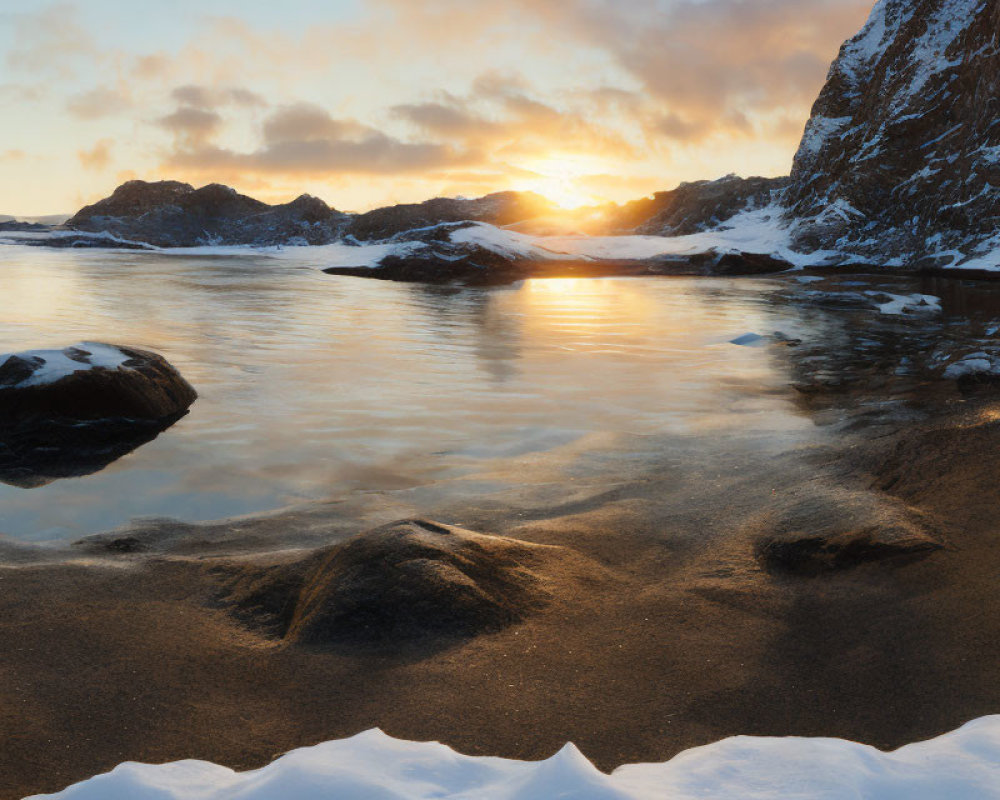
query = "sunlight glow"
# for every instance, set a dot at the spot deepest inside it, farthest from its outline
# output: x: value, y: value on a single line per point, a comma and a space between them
x: 561, y: 179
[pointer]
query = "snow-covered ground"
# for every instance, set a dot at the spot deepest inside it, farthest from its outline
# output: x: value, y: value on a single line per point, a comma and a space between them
x: 963, y: 765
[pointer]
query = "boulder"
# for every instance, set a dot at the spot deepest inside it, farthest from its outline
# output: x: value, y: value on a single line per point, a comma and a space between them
x: 71, y: 412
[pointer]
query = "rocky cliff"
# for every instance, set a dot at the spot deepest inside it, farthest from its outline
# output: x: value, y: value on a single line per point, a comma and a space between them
x: 900, y: 161
x: 696, y: 207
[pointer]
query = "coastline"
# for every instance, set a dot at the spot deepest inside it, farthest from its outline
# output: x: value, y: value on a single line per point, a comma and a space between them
x: 681, y: 636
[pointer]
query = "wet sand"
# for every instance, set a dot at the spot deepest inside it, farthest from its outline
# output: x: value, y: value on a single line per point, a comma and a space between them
x: 679, y: 637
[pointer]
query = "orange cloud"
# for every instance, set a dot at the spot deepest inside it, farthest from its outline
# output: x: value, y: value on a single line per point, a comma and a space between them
x: 98, y: 157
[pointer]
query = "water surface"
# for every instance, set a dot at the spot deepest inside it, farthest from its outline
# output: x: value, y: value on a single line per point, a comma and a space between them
x: 315, y: 387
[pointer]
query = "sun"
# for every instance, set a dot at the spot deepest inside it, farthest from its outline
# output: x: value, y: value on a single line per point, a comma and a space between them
x: 561, y: 180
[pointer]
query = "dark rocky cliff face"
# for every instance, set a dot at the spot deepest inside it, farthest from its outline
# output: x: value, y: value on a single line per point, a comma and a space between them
x: 900, y: 162
x: 174, y: 214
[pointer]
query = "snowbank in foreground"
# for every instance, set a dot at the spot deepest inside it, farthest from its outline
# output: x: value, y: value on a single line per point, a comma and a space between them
x: 372, y: 766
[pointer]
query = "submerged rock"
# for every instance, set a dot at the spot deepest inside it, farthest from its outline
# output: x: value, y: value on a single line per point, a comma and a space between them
x: 71, y: 412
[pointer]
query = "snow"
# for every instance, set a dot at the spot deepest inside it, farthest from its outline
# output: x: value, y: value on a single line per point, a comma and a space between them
x: 18, y: 237
x: 975, y: 364
x: 908, y: 303
x: 761, y: 230
x: 373, y: 766
x: 510, y: 243
x: 54, y: 365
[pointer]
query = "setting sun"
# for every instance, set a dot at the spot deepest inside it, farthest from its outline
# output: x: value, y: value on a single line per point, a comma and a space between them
x: 560, y: 179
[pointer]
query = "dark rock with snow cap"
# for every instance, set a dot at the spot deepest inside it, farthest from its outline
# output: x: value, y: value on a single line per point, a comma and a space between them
x: 71, y: 412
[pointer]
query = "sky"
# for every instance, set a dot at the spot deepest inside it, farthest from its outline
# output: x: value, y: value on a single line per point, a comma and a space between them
x: 373, y: 102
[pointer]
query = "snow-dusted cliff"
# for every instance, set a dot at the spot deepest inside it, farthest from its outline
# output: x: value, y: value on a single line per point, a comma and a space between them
x: 900, y: 161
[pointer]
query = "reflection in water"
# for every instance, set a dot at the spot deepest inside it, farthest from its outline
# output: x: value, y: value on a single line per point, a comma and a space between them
x: 315, y: 387
x: 44, y: 451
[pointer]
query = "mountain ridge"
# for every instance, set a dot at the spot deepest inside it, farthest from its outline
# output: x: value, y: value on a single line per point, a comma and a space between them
x: 898, y: 167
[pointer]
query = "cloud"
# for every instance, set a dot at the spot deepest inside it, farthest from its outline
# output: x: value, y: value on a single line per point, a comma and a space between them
x: 210, y: 98
x: 501, y: 113
x: 192, y: 127
x: 307, y: 122
x: 688, y: 69
x: 49, y: 40
x: 98, y: 157
x: 446, y: 119
x: 304, y: 139
x: 98, y: 103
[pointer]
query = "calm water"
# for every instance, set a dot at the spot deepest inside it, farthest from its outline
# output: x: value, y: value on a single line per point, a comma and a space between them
x: 317, y: 387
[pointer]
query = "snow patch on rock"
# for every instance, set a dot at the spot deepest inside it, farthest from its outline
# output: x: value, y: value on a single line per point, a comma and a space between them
x: 50, y: 366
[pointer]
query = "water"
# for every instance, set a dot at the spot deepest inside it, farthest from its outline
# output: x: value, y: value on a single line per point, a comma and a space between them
x: 314, y: 387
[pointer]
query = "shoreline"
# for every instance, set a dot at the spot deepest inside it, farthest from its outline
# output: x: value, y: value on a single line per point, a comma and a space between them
x: 677, y: 636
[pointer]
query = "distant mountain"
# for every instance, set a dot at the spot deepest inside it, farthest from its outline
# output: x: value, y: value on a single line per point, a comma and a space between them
x: 174, y: 214
x: 502, y: 208
x: 900, y: 161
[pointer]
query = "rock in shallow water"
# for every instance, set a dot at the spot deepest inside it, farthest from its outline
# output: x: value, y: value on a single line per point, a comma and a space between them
x: 71, y: 412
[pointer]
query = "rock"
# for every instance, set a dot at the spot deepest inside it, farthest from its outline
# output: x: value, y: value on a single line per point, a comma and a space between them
x: 827, y: 530
x: 413, y: 582
x: 901, y: 157
x: 415, y: 579
x: 71, y: 412
x: 733, y: 264
x: 91, y: 381
x: 696, y: 207
x: 814, y: 555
